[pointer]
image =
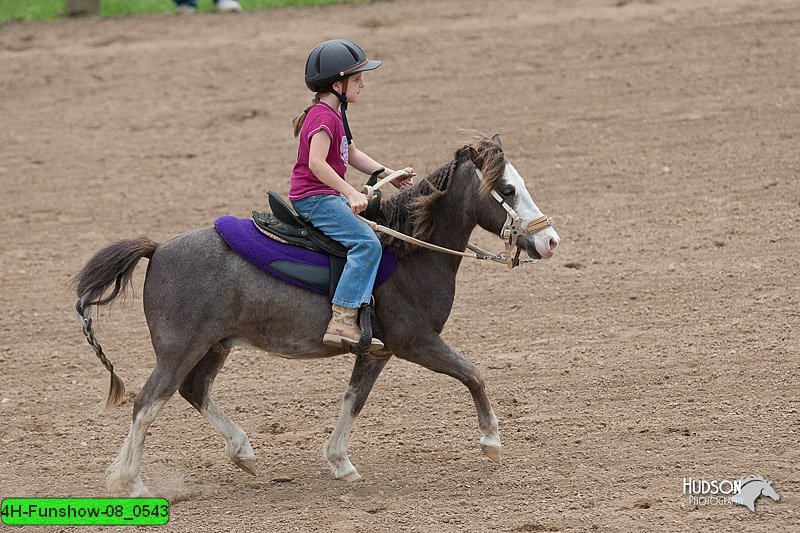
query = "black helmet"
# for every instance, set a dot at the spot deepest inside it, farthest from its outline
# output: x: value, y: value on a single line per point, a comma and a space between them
x: 334, y: 60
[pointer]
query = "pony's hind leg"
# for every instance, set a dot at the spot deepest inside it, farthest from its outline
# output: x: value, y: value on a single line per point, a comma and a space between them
x: 171, y: 367
x: 434, y: 354
x: 122, y: 476
x: 365, y: 371
x: 196, y: 389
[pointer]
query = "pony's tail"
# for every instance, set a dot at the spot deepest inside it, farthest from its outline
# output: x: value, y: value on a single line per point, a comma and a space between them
x: 113, y: 264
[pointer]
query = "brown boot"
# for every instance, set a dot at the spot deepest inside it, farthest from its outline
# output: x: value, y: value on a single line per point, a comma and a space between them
x: 343, y: 329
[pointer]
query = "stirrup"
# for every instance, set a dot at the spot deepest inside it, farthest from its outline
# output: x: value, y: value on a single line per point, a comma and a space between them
x: 340, y: 341
x: 368, y: 343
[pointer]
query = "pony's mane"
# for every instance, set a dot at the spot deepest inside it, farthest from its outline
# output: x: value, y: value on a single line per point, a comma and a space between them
x: 489, y: 156
x: 411, y: 210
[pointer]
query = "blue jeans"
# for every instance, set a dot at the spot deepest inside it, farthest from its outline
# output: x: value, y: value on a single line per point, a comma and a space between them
x: 332, y: 215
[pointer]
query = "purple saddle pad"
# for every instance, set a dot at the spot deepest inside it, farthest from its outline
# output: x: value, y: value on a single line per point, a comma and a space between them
x: 244, y: 238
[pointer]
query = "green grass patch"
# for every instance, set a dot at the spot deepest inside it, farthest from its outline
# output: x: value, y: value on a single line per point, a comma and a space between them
x: 11, y: 10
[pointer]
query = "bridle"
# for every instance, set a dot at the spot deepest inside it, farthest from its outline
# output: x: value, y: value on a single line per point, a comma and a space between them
x: 512, y: 230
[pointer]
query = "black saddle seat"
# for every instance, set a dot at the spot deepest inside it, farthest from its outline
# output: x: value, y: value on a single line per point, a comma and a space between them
x: 284, y: 223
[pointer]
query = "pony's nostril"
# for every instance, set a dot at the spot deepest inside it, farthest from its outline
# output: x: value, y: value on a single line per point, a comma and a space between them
x: 552, y: 243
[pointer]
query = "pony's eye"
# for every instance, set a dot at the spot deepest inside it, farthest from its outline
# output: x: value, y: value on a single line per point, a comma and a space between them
x: 508, y: 190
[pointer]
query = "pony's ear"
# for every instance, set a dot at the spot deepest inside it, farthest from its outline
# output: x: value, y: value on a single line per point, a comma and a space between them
x: 475, y: 157
x: 496, y: 138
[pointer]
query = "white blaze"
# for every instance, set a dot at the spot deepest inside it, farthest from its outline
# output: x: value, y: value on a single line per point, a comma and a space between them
x: 527, y: 209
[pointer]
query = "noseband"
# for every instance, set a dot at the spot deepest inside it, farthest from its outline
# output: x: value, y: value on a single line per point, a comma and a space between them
x: 514, y: 228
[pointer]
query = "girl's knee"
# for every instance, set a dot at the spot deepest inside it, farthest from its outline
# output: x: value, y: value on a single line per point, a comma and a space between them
x: 375, y: 246
x: 371, y: 248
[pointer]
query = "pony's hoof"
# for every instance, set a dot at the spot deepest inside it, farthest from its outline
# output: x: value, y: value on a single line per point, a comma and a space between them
x: 347, y: 473
x: 248, y: 465
x: 141, y: 492
x: 495, y: 453
x: 352, y: 476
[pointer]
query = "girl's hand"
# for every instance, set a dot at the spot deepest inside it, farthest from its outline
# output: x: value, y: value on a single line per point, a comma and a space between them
x: 358, y: 201
x: 404, y: 182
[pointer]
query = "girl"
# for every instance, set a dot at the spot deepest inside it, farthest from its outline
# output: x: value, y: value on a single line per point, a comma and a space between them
x: 319, y: 193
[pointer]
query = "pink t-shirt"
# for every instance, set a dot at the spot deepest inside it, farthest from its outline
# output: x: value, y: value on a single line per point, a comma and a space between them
x: 303, y: 182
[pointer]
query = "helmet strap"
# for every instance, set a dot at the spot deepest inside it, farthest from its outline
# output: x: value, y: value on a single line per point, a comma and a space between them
x: 343, y: 101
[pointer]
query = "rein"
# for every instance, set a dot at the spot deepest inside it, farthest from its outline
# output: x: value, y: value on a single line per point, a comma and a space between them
x: 512, y: 230
x: 480, y: 253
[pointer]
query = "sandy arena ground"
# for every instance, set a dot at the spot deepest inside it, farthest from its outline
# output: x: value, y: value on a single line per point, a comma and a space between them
x: 659, y: 343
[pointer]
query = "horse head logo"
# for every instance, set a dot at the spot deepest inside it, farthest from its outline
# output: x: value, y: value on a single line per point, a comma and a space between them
x: 751, y: 488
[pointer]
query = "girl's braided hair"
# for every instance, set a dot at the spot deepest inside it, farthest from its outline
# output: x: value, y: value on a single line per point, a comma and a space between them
x: 297, y: 122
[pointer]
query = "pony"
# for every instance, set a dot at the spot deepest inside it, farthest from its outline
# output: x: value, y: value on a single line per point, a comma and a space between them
x: 201, y: 299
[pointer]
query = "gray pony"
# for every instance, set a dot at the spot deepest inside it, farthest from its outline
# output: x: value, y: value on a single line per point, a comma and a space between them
x: 201, y: 299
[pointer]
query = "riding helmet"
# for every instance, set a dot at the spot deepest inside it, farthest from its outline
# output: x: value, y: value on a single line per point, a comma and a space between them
x: 334, y: 60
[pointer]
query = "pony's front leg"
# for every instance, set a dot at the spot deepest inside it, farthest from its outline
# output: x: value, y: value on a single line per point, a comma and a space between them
x: 434, y: 354
x: 365, y: 371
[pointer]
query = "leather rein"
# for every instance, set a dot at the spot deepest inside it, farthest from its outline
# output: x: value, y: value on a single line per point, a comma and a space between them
x: 511, y: 232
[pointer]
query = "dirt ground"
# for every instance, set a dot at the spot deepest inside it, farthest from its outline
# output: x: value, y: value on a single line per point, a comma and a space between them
x: 660, y: 343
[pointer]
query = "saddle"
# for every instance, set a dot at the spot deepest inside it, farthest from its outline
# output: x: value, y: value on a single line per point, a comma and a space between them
x: 284, y: 225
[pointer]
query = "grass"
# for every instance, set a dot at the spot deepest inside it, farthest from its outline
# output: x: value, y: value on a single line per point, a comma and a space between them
x: 15, y: 10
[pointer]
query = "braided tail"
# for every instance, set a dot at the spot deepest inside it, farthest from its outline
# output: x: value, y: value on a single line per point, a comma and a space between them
x: 113, y: 264
x: 116, y: 389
